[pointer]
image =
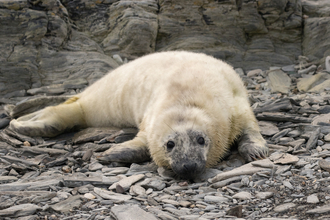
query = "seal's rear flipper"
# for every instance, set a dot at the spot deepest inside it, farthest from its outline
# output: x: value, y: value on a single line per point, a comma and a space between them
x: 50, y: 121
x: 32, y: 105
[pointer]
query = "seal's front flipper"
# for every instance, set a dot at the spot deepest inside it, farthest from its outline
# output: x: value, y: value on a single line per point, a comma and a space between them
x: 252, y: 146
x: 133, y: 151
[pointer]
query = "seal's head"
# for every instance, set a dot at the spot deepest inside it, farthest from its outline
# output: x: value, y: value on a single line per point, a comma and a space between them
x: 187, y: 152
x: 182, y: 140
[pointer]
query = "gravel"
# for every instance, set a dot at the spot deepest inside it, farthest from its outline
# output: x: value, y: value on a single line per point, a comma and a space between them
x: 61, y: 178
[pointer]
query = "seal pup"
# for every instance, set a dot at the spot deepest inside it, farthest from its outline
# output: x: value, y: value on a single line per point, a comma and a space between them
x: 189, y: 109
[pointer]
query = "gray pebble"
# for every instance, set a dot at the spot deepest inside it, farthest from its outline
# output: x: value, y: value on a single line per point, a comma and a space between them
x: 319, y: 210
x: 153, y: 183
x: 126, y: 182
x: 313, y: 199
x: 264, y: 195
x: 242, y: 196
x: 19, y: 210
x: 116, y: 197
x: 287, y: 184
x: 124, y: 212
x: 215, y: 199
x: 284, y: 207
x: 95, y: 166
x: 68, y: 204
x: 4, y: 122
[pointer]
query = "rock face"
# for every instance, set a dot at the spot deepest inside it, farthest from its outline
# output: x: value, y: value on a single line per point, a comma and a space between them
x: 245, y: 35
x: 46, y: 42
x: 133, y: 27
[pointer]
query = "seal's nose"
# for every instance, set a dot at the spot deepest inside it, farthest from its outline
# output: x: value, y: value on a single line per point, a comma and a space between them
x: 190, y: 167
x: 189, y: 170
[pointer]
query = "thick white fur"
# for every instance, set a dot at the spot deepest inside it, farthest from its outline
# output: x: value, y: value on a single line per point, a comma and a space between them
x: 154, y: 93
x: 148, y: 93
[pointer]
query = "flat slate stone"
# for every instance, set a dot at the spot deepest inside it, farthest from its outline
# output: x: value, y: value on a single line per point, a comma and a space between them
x: 246, y: 169
x: 20, y: 137
x: 278, y: 105
x: 18, y: 186
x: 321, y: 87
x: 4, y: 122
x: 226, y: 182
x: 313, y: 199
x: 242, y: 196
x: 324, y: 118
x: 280, y: 117
x: 279, y: 81
x: 266, y: 163
x: 117, y: 197
x: 215, y: 199
x: 96, y: 181
x: 27, y: 193
x: 284, y: 158
x: 264, y: 195
x: 312, y: 141
x: 126, y: 183
x: 153, y: 183
x: 6, y: 179
x: 320, y: 210
x: 10, y: 140
x: 19, y: 210
x: 68, y: 204
x: 324, y: 164
x: 312, y: 68
x: 268, y: 128
x: 93, y: 134
x: 306, y: 84
x: 284, y: 207
x: 236, y: 211
x: 289, y: 68
x: 37, y: 151
x: 125, y: 212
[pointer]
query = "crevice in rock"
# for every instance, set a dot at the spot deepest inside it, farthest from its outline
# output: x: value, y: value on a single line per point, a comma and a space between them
x: 11, y: 52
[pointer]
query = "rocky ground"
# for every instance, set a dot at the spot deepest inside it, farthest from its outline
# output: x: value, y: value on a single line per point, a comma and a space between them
x: 61, y: 178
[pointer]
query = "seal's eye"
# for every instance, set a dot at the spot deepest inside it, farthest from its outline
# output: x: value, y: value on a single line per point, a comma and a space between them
x: 170, y: 145
x: 201, y: 141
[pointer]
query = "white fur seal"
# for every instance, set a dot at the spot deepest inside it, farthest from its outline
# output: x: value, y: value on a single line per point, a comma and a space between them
x: 189, y: 108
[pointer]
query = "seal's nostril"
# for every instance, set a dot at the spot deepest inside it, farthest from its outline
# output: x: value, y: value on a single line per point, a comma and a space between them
x: 190, y: 167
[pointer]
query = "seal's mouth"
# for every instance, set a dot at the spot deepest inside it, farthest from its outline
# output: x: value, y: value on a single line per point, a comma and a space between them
x: 188, y: 170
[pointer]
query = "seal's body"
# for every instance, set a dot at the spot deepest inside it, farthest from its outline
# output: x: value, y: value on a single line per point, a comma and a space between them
x: 189, y: 109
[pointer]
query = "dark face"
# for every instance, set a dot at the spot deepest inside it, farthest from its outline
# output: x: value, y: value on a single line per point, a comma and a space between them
x: 187, y: 152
